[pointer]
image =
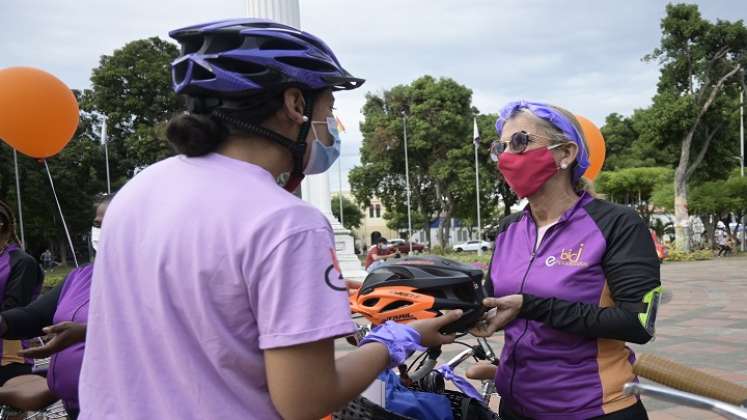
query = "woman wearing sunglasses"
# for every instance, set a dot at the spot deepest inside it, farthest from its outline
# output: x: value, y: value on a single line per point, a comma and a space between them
x: 574, y: 277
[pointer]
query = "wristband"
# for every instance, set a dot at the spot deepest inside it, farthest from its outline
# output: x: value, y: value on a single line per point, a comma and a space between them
x: 401, y: 340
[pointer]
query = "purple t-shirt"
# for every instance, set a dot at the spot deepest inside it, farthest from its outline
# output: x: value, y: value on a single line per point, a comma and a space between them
x: 203, y: 264
x: 72, y: 305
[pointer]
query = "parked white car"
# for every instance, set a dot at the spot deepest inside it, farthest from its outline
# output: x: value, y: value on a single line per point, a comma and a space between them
x: 472, y: 246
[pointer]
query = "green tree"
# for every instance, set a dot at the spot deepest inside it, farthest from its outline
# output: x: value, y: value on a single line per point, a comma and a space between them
x: 352, y: 215
x: 619, y: 136
x: 634, y: 187
x: 439, y: 123
x: 78, y: 173
x: 711, y: 202
x: 701, y: 61
x: 132, y: 88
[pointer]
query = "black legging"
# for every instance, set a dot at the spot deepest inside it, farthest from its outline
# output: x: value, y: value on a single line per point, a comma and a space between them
x: 634, y: 412
x: 725, y: 249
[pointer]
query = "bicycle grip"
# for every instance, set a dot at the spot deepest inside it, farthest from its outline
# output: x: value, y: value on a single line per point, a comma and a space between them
x: 675, y: 375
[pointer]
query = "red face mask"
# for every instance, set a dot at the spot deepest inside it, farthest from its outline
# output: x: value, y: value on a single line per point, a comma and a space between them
x: 527, y: 172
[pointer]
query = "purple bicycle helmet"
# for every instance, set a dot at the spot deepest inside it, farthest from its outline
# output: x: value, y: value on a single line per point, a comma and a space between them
x: 241, y: 57
x: 225, y: 63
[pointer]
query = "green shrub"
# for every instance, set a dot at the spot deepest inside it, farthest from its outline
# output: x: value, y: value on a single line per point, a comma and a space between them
x: 676, y: 255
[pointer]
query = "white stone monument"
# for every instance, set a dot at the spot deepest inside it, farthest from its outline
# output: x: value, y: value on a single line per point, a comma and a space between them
x: 315, y: 188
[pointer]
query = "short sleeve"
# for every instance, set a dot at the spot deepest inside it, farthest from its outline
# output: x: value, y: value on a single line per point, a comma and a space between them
x: 299, y: 295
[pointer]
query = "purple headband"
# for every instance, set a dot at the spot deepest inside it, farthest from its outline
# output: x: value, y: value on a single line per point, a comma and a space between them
x: 555, y: 118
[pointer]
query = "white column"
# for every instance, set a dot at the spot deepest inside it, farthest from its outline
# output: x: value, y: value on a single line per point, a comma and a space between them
x: 287, y: 12
x: 315, y: 188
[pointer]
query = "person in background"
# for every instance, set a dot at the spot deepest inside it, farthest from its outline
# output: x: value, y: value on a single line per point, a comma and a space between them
x: 21, y: 280
x: 46, y: 259
x: 378, y: 253
x: 722, y: 239
x: 63, y: 312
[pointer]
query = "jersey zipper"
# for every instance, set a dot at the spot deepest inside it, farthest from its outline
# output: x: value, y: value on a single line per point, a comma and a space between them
x: 521, y: 290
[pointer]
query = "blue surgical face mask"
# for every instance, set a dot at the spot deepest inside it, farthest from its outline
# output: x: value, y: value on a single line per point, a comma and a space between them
x: 322, y: 156
x: 95, y: 237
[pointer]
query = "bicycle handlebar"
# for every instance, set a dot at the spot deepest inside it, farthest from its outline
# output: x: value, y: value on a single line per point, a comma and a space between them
x: 685, y: 398
x: 675, y: 375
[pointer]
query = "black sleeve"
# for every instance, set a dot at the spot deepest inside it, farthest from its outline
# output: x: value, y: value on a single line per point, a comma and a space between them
x: 26, y: 278
x: 631, y: 268
x: 28, y: 321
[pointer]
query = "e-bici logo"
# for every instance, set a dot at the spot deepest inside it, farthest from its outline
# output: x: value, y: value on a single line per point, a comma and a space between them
x: 568, y: 257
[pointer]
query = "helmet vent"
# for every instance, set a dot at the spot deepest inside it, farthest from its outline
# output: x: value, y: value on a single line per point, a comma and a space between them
x: 232, y: 65
x: 191, y: 44
x: 281, y: 44
x: 222, y: 42
x: 371, y: 302
x: 394, y: 305
x: 201, y: 73
x: 307, y: 64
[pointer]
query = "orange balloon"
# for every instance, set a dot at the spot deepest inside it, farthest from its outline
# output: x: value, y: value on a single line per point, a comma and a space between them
x: 38, y: 112
x: 596, y: 148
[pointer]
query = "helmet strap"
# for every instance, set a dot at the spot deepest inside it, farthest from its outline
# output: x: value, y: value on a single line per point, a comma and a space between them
x: 296, y: 148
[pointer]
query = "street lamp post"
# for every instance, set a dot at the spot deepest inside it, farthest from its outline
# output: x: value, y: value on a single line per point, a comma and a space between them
x: 407, y: 184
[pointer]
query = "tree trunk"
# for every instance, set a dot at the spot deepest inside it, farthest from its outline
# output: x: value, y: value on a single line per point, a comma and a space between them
x: 681, y: 214
x: 684, y: 170
x: 710, y: 229
x: 62, y: 244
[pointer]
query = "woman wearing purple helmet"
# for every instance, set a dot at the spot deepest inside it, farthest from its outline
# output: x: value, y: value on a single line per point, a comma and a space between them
x: 574, y: 278
x: 218, y: 294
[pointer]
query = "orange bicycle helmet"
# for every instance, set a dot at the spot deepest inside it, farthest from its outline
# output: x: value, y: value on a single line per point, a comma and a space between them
x: 421, y: 288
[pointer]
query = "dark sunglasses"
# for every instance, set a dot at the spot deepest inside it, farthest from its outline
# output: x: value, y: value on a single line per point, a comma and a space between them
x: 517, y: 143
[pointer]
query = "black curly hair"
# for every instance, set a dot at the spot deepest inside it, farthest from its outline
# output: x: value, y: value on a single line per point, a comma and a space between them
x: 8, y: 223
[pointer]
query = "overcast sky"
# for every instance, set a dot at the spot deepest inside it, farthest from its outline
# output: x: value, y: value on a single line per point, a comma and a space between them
x: 583, y: 55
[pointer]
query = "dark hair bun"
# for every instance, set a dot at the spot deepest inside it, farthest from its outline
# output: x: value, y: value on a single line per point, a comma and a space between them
x: 195, y: 134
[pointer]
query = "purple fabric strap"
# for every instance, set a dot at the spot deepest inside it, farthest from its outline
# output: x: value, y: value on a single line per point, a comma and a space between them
x: 401, y: 340
x: 555, y: 118
x: 460, y: 382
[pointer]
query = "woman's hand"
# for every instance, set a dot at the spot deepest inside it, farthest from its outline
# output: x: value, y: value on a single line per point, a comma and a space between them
x: 503, y: 310
x: 353, y: 286
x: 65, y: 335
x: 430, y: 336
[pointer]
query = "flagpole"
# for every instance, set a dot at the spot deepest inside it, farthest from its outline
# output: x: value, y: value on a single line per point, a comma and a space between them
x: 476, y: 135
x: 407, y: 182
x: 106, y: 154
x: 18, y: 199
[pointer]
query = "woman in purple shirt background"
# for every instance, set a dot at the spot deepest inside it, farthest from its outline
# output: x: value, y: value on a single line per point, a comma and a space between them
x: 62, y: 311
x: 21, y: 279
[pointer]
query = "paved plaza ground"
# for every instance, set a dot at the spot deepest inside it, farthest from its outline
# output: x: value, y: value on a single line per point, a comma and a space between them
x: 702, y: 323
